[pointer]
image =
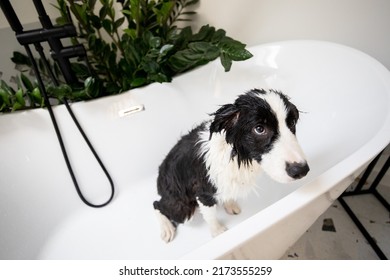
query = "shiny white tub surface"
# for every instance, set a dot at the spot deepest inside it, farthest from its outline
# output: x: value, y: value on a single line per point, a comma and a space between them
x: 344, y: 96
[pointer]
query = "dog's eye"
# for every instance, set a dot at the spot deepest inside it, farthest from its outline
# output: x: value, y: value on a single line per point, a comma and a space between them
x: 259, y: 130
x: 292, y: 123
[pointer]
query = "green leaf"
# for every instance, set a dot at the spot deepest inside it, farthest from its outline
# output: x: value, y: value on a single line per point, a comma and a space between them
x: 118, y: 23
x: 107, y: 25
x: 163, y: 12
x: 19, y: 97
x: 103, y: 12
x: 131, y: 32
x: 135, y: 9
x: 61, y: 21
x: 112, y: 64
x: 155, y: 42
x: 37, y: 97
x: 226, y: 62
x: 218, y: 36
x: 96, y: 21
x: 204, y: 33
x: 5, y: 97
x: 19, y: 58
x: 164, y: 52
x: 17, y: 106
x: 88, y: 82
x: 80, y: 12
x: 239, y: 54
x: 159, y: 77
x: 111, y: 11
x: 10, y: 91
x: 26, y: 82
x: 112, y: 88
x: 234, y: 49
x: 181, y: 40
x: 92, y: 88
x: 60, y: 92
x: 79, y: 95
x: 198, y: 53
x: 201, y: 47
x: 91, y: 41
x: 137, y: 82
x: 132, y: 54
x: 149, y: 65
x: 81, y: 70
x: 126, y: 12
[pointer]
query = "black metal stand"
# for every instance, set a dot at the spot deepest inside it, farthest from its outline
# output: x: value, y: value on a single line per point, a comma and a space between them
x: 372, y: 190
x: 52, y: 35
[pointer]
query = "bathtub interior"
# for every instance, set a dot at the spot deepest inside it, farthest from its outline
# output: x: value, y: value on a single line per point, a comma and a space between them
x: 343, y: 96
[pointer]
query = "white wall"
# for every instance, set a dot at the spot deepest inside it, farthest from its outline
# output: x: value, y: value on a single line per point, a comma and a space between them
x: 362, y: 24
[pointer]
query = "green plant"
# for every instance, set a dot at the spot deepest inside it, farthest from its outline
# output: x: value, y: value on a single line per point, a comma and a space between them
x: 11, y: 100
x: 136, y: 47
x: 28, y: 95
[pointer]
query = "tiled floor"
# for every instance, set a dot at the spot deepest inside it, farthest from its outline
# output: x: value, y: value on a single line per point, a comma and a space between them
x: 335, y: 236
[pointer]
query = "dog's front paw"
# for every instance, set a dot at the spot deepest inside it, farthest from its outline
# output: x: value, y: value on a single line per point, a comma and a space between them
x: 231, y: 207
x: 218, y: 229
x: 168, y: 230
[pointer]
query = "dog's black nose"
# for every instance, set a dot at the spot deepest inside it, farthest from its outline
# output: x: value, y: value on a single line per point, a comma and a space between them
x: 297, y: 170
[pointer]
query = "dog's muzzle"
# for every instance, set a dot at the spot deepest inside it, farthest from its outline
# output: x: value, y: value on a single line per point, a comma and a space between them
x: 297, y: 170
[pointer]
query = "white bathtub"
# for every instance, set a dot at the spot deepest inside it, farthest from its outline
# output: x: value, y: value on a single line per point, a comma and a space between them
x: 344, y: 93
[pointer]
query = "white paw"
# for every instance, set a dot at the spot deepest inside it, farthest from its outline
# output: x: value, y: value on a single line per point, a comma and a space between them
x: 232, y: 208
x: 167, y: 232
x: 167, y: 228
x: 218, y: 229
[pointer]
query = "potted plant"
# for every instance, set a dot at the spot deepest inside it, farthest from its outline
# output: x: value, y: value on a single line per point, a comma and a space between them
x: 139, y: 45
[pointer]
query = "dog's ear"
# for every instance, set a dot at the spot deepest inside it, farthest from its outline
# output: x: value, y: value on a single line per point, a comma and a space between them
x: 225, y: 118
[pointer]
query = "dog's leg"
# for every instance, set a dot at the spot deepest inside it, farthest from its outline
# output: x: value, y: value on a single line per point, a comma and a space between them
x: 209, y: 214
x: 167, y: 228
x: 232, y: 207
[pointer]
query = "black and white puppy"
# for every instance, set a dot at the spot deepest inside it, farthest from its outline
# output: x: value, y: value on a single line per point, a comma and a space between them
x: 218, y: 161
